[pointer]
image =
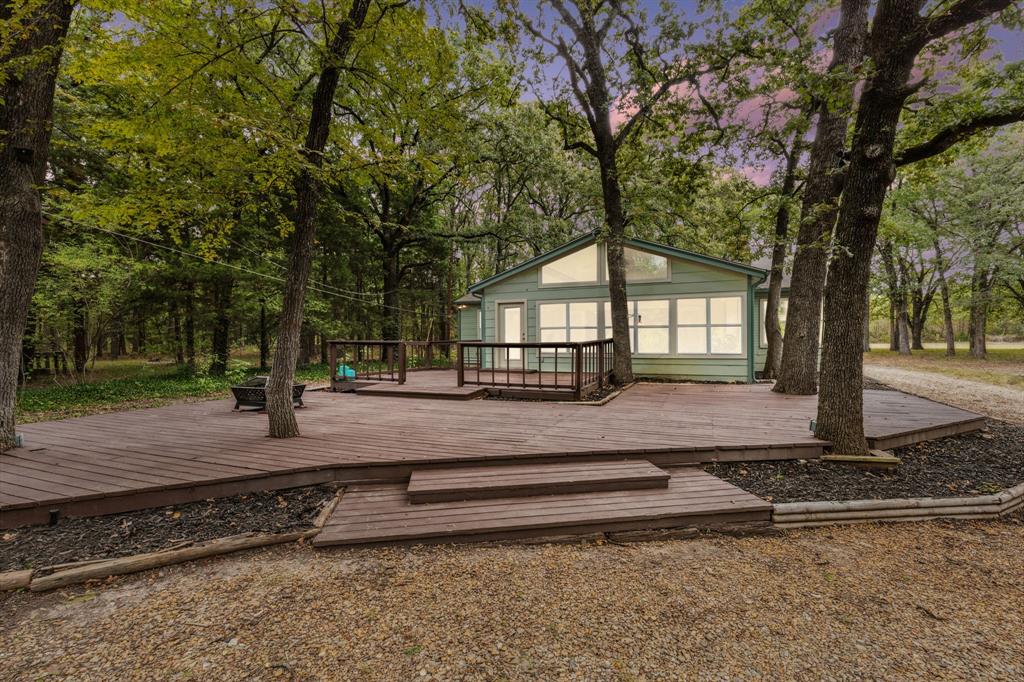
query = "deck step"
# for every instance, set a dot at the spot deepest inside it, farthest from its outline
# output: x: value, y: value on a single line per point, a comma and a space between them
x: 394, y: 390
x: 383, y: 514
x: 489, y: 482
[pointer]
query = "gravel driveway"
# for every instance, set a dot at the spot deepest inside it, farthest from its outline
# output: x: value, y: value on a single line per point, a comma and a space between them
x: 1001, y: 402
x: 936, y: 601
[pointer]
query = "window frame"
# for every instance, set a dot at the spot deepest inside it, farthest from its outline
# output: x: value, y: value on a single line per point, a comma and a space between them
x: 602, y: 269
x: 598, y: 249
x: 567, y: 325
x: 708, y: 325
x: 605, y: 323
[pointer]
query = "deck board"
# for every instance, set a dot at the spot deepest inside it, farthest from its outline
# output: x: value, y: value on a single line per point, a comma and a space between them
x: 467, y: 483
x: 374, y: 515
x: 130, y: 460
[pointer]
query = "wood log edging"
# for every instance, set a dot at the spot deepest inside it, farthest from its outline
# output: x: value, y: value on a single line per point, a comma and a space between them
x: 42, y: 581
x: 810, y: 514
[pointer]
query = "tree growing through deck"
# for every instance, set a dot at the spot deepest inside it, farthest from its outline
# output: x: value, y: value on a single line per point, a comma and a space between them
x: 899, y: 34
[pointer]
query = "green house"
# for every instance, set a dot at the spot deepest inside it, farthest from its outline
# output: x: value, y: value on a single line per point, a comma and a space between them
x: 692, y: 316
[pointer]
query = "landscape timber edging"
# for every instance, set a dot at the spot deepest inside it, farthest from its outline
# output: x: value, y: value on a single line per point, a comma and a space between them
x: 809, y: 514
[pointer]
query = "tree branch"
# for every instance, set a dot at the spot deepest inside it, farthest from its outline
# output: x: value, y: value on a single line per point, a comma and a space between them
x: 961, y: 14
x: 958, y: 132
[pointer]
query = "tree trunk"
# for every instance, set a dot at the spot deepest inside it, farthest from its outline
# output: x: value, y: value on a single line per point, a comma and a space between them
x: 867, y: 322
x: 903, y: 323
x: 799, y: 371
x: 220, y: 346
x: 32, y: 57
x: 264, y: 341
x: 918, y: 320
x: 899, y: 328
x: 981, y: 290
x: 841, y: 400
x: 280, y: 412
x: 306, y: 337
x: 915, y: 307
x: 140, y: 333
x: 391, y: 324
x: 978, y: 328
x: 615, y: 220
x: 190, y: 327
x: 780, y: 249
x: 179, y: 350
x: 947, y: 309
x: 79, y: 339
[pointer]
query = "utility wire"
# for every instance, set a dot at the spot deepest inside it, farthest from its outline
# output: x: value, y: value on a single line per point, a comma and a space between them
x: 314, y: 287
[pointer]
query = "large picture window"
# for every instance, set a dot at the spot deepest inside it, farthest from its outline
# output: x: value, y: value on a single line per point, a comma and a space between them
x: 709, y: 326
x: 561, y: 322
x: 649, y: 326
x: 699, y: 326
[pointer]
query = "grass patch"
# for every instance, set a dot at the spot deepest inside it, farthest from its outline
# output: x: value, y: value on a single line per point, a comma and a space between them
x: 135, y: 384
x: 1003, y: 367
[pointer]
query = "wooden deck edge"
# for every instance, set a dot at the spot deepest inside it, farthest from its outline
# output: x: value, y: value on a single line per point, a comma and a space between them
x: 810, y: 514
x: 895, y: 440
x: 719, y: 520
x: 147, y: 498
x: 100, y: 504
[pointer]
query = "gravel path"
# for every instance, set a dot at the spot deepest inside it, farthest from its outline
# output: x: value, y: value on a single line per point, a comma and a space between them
x: 1001, y: 402
x: 936, y: 601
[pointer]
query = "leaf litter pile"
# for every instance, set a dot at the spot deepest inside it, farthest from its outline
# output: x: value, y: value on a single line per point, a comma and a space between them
x: 978, y: 463
x: 148, y: 530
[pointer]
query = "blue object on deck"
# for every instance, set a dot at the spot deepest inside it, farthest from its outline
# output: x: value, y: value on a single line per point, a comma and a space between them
x: 346, y: 373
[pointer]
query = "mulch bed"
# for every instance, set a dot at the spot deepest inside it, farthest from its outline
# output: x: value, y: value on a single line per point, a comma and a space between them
x: 970, y: 464
x: 148, y: 530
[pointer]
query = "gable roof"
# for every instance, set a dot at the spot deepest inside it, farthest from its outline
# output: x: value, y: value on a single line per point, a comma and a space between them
x: 766, y: 265
x: 640, y: 244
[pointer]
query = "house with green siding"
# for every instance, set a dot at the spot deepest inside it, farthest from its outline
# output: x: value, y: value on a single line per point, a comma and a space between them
x: 691, y: 316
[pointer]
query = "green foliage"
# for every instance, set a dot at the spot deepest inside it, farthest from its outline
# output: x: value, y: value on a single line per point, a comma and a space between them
x: 140, y: 387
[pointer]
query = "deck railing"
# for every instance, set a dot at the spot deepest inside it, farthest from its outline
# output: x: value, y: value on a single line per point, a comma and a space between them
x: 430, y: 354
x: 369, y: 360
x: 576, y: 367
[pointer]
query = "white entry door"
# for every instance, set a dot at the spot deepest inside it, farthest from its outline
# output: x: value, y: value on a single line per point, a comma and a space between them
x: 511, y: 329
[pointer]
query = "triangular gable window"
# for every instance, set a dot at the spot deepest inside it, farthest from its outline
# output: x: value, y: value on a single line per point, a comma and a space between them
x: 584, y: 265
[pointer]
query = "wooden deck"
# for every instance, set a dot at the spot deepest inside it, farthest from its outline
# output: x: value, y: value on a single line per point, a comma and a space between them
x: 375, y: 514
x: 147, y: 458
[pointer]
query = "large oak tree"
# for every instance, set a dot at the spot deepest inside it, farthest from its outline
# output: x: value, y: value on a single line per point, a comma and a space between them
x: 899, y: 33
x: 29, y: 58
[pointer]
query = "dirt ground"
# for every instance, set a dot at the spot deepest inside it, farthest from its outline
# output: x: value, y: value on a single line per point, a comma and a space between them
x: 1001, y: 402
x: 935, y: 601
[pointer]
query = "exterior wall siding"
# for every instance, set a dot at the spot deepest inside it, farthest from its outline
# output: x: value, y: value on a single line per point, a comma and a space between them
x: 688, y: 279
x: 469, y: 323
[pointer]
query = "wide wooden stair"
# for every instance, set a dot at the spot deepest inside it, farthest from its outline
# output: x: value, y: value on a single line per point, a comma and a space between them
x: 469, y: 504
